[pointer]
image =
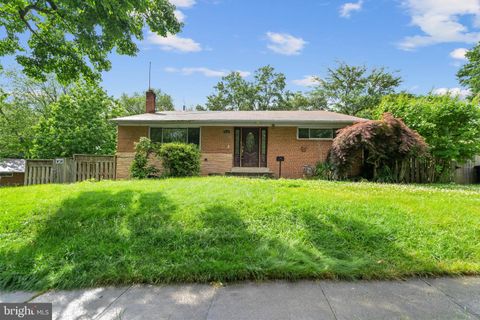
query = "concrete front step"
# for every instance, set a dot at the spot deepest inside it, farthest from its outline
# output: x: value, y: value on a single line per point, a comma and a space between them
x: 250, y: 172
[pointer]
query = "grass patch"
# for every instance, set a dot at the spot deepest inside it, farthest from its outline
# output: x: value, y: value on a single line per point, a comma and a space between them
x: 227, y: 229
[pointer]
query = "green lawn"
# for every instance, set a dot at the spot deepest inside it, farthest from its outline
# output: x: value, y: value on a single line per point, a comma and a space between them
x: 226, y: 229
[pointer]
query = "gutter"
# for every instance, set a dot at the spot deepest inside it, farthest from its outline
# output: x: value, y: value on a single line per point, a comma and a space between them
x: 282, y: 123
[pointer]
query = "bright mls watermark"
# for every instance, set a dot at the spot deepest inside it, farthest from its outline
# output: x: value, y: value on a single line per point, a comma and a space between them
x: 26, y: 311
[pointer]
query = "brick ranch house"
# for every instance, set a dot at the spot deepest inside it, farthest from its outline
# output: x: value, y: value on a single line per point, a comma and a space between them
x: 236, y: 142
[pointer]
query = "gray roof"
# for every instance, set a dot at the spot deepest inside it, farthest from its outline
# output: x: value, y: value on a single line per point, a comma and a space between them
x: 240, y: 117
x: 12, y: 165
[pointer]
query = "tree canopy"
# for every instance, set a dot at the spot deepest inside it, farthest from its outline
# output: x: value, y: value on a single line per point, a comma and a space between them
x: 16, y: 122
x: 72, y: 39
x: 37, y: 95
x: 47, y: 119
x: 77, y: 123
x: 451, y: 127
x: 267, y: 91
x: 23, y: 101
x: 469, y: 74
x: 354, y: 89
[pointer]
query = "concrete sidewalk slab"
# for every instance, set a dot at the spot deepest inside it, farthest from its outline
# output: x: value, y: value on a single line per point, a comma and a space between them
x: 17, y: 296
x: 412, y: 299
x: 463, y: 290
x: 271, y: 300
x: 80, y: 304
x: 444, y: 298
x: 162, y: 302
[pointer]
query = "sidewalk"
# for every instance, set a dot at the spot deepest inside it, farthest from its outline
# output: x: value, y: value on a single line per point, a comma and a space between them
x: 444, y: 298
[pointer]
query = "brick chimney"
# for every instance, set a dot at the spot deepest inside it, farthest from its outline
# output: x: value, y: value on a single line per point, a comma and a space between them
x: 150, y: 106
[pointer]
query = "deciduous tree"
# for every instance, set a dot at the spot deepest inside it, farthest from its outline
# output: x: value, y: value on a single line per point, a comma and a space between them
x: 23, y: 101
x: 16, y: 122
x: 387, y: 144
x: 78, y: 123
x: 35, y: 94
x: 267, y: 91
x: 451, y: 127
x: 469, y: 74
x: 72, y: 39
x: 232, y: 93
x: 354, y: 89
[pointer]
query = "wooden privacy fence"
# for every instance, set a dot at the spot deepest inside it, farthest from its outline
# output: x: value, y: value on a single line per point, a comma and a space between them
x: 426, y: 170
x: 94, y: 167
x: 39, y: 172
x: 418, y: 170
x: 66, y: 170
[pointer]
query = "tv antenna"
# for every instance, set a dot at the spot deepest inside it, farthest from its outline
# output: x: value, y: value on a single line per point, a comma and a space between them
x: 149, y: 75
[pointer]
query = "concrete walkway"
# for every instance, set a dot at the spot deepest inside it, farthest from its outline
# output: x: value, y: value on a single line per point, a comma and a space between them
x: 444, y: 298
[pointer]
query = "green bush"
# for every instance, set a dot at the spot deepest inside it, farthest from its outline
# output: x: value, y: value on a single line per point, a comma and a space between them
x: 324, y: 171
x: 386, y: 174
x: 180, y: 159
x: 450, y: 126
x: 140, y: 169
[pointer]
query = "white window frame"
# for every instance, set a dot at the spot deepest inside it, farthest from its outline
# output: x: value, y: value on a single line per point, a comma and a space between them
x: 178, y: 127
x: 319, y: 139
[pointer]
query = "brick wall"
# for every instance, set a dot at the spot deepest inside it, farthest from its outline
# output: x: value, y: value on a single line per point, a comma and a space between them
x: 128, y: 135
x: 215, y: 163
x: 124, y: 161
x: 282, y: 141
x: 217, y: 150
x: 217, y: 140
x: 17, y: 179
x: 126, y: 138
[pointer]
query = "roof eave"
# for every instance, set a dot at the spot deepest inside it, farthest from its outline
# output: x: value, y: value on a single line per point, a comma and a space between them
x: 235, y: 122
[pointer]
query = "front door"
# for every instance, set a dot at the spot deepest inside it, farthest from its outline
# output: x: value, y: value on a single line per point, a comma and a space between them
x: 250, y: 150
x: 250, y: 147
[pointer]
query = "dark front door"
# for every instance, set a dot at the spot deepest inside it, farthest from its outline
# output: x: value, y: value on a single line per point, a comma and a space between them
x: 250, y: 148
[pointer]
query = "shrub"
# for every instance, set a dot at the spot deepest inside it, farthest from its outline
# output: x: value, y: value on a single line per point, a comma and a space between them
x: 325, y: 171
x: 180, y: 159
x: 386, y: 174
x: 140, y: 169
x: 387, y: 145
x: 451, y: 127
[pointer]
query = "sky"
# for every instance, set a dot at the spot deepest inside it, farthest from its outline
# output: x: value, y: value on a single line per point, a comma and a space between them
x: 423, y: 40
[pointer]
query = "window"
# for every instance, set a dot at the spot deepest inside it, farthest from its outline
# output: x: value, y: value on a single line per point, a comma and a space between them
x: 263, y: 144
x: 174, y: 135
x: 156, y: 134
x: 6, y: 174
x: 303, y: 133
x: 315, y: 133
x: 185, y: 135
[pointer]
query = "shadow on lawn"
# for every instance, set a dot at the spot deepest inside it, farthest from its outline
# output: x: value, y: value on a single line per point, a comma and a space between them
x: 102, y: 238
